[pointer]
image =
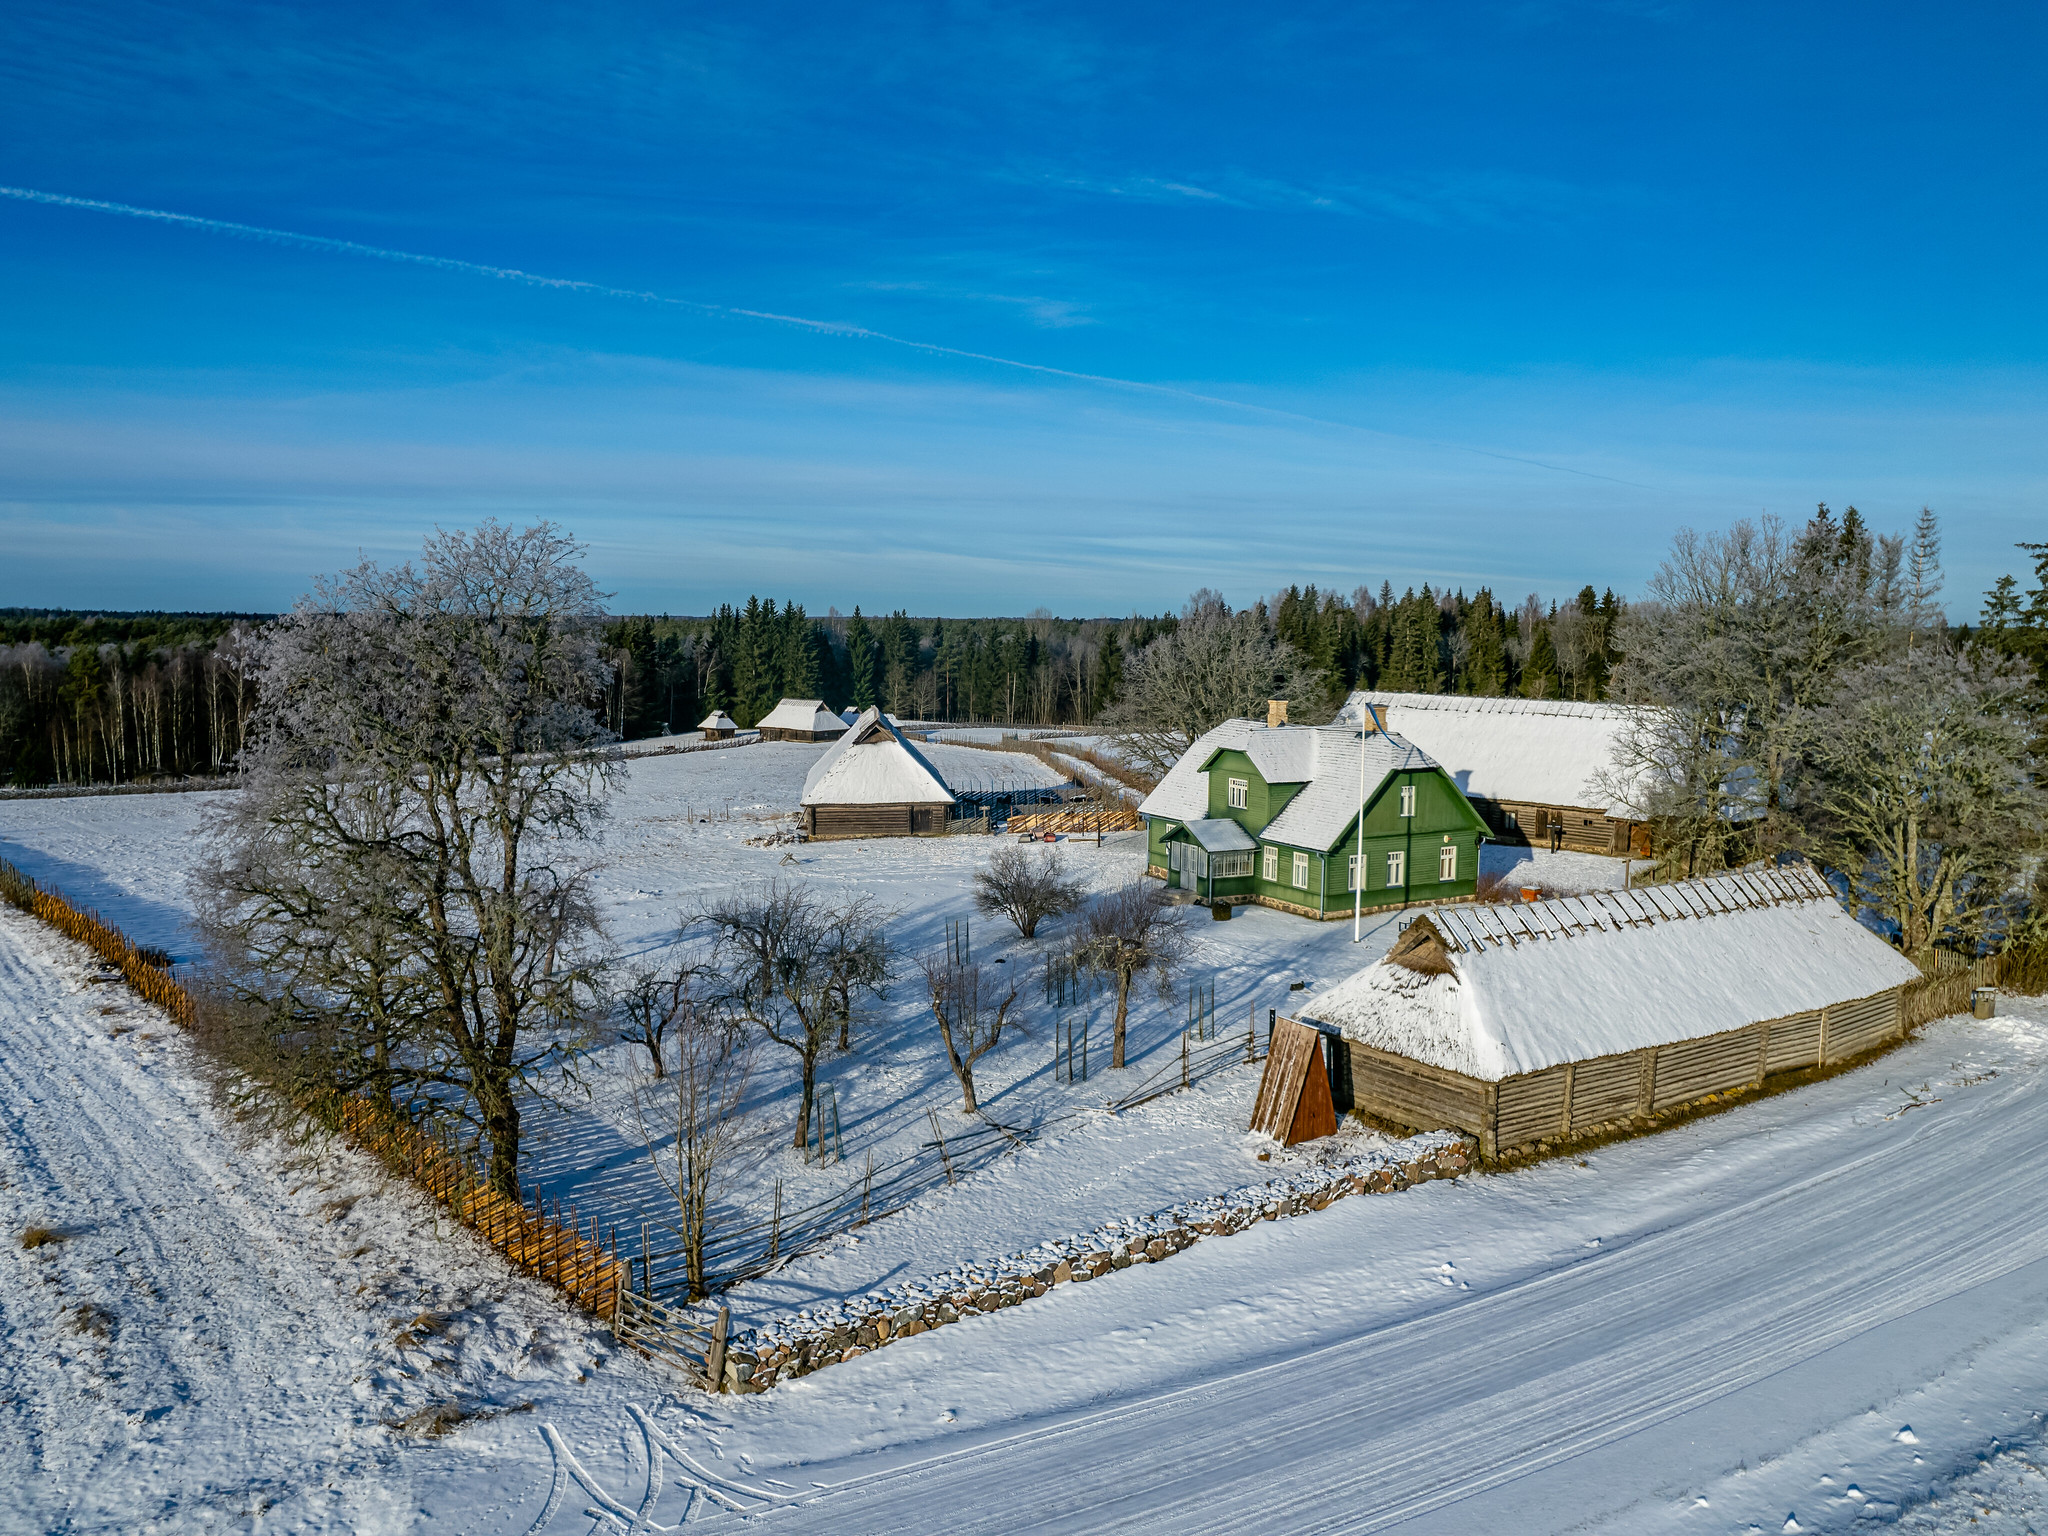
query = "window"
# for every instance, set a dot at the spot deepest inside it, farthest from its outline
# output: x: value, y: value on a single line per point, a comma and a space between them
x: 1397, y: 868
x: 1301, y: 871
x: 1351, y: 877
x: 1232, y: 866
x: 1407, y: 799
x: 1240, y: 794
x: 1272, y: 863
x: 1514, y: 821
x: 1447, y: 862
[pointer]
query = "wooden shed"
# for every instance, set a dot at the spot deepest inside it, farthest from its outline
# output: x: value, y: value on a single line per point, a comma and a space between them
x: 874, y: 783
x: 1294, y: 1102
x: 718, y: 726
x: 800, y: 720
x: 1563, y: 1019
x: 1539, y: 771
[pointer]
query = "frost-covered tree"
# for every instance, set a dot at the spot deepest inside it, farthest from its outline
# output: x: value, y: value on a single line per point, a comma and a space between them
x: 408, y: 862
x: 1124, y: 933
x: 1922, y: 788
x: 1215, y: 665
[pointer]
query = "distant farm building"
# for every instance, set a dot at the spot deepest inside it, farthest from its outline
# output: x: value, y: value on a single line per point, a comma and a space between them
x: 874, y: 783
x: 1534, y: 768
x: 1269, y: 814
x: 800, y: 720
x: 1557, y: 1020
x: 718, y: 726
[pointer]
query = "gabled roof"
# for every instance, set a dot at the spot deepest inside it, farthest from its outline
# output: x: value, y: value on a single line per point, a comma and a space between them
x: 717, y: 720
x: 1533, y: 986
x: 801, y: 715
x: 1321, y: 758
x: 873, y: 764
x: 1543, y: 751
x: 1222, y: 835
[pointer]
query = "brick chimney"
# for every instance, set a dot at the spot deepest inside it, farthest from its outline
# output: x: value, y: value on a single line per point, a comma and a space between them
x: 1276, y: 711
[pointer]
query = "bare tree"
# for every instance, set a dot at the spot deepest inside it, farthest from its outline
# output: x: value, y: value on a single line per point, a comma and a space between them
x: 856, y: 957
x: 791, y: 967
x: 1924, y: 789
x: 650, y: 1003
x: 971, y: 1012
x: 423, y: 776
x: 1028, y: 888
x: 1214, y: 666
x: 1126, y: 931
x: 710, y: 1065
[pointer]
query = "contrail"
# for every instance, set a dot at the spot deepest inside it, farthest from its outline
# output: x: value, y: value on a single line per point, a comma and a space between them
x: 821, y: 327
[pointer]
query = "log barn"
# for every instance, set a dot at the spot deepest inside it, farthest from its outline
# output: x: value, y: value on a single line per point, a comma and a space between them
x: 873, y: 783
x: 800, y: 720
x: 718, y: 726
x: 1553, y: 1021
x: 1537, y: 770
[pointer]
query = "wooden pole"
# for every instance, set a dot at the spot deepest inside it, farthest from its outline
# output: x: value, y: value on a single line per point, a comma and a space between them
x: 714, y: 1359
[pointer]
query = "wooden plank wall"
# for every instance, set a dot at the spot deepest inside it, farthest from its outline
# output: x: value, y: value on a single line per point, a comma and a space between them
x: 1581, y: 1097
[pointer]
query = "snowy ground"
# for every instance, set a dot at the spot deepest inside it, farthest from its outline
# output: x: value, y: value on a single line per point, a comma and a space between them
x: 1822, y: 1312
x: 678, y: 837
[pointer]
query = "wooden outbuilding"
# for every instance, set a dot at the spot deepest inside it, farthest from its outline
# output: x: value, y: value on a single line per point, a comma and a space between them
x: 874, y: 783
x: 801, y: 720
x: 1294, y: 1102
x: 1540, y: 771
x: 1559, y: 1020
x: 718, y: 726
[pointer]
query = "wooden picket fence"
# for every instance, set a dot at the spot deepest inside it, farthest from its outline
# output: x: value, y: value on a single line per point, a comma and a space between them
x: 556, y: 1251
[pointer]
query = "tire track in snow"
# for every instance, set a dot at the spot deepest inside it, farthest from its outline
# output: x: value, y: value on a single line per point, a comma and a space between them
x: 1398, y: 1422
x: 224, y: 1344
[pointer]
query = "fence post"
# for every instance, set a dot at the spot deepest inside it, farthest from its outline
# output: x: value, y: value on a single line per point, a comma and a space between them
x: 775, y: 1225
x: 714, y: 1358
x: 1251, y: 1035
x: 933, y: 1116
x: 1183, y: 1058
x: 867, y: 1187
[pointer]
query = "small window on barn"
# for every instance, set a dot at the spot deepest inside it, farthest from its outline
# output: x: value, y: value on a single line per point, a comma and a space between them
x: 1397, y: 868
x: 1514, y: 822
x: 1407, y: 799
x: 1301, y: 871
x: 1447, y: 862
x: 1272, y: 863
x: 1240, y: 794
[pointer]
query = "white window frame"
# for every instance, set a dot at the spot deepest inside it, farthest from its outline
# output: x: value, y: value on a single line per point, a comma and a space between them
x: 1233, y: 866
x: 1397, y: 868
x: 1407, y: 799
x: 1300, y: 872
x: 1351, y: 875
x: 1447, y: 862
x: 1240, y: 794
x: 1272, y: 863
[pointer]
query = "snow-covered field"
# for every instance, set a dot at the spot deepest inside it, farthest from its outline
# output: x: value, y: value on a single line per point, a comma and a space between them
x: 1814, y: 1313
x: 678, y: 837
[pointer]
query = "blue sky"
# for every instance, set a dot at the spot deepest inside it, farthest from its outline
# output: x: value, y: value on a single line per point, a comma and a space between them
x: 1486, y: 294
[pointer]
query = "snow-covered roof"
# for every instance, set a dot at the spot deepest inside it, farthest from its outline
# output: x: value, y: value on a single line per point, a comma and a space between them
x: 801, y: 715
x: 1543, y: 751
x: 717, y: 720
x: 849, y: 714
x: 1222, y: 835
x: 873, y: 764
x: 1322, y: 758
x: 1533, y: 986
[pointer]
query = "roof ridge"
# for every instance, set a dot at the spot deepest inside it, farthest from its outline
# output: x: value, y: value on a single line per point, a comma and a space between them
x: 1575, y: 913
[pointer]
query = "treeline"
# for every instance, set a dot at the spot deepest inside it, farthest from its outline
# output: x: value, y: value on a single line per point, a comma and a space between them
x: 1041, y: 670
x: 111, y: 698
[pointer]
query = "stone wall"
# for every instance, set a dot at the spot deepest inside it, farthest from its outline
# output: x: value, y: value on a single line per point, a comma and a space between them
x: 811, y: 1340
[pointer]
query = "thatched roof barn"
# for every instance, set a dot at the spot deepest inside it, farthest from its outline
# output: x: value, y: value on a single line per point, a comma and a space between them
x: 874, y: 783
x: 800, y: 720
x: 1540, y: 771
x: 718, y: 726
x: 1552, y: 1020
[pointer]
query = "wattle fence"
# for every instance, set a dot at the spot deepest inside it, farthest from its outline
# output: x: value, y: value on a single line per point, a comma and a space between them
x: 582, y: 1263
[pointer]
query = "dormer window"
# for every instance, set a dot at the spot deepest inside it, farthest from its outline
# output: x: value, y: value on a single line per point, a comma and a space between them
x: 1240, y: 794
x: 1407, y: 799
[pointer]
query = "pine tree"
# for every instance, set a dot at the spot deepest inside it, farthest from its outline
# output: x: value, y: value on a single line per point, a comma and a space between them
x: 861, y: 658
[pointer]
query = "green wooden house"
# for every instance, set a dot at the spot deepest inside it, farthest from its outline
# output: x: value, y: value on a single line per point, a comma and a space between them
x: 1269, y: 814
